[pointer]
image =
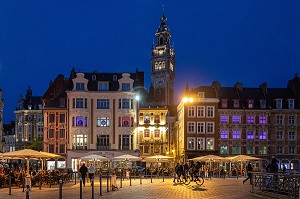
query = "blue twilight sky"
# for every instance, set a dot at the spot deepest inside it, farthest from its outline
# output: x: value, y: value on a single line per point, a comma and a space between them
x: 250, y: 41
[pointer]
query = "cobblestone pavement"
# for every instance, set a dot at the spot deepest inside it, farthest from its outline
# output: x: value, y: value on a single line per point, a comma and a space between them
x: 229, y: 188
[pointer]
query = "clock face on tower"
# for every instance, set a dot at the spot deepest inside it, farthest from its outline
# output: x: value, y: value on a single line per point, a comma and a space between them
x: 159, y: 65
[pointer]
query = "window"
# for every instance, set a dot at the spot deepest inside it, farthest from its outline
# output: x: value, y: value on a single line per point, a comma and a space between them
x: 94, y: 77
x: 291, y: 149
x: 103, y: 86
x: 126, y: 121
x: 80, y: 142
x: 124, y: 142
x: 224, y: 134
x: 262, y: 150
x: 224, y: 103
x: 125, y: 103
x: 51, y: 133
x: 279, y: 149
x: 61, y: 133
x: 224, y: 118
x: 79, y: 86
x: 210, y: 127
x: 250, y: 150
x: 80, y: 121
x: 263, y: 103
x: 147, y: 119
x: 201, y: 127
x: 224, y: 150
x: 79, y: 103
x: 103, y: 142
x: 236, y: 119
x: 157, y: 119
x: 250, y: 119
x: 40, y: 118
x: 62, y: 148
x: 51, y: 118
x: 291, y: 135
x: 291, y: 120
x: 236, y: 150
x: 103, y: 104
x: 278, y: 103
x: 210, y: 112
x: 279, y: 135
x: 236, y: 134
x: 250, y: 104
x: 236, y: 103
x: 191, y: 111
x: 250, y: 135
x: 262, y: 119
x: 201, y: 94
x: 279, y: 119
x: 147, y: 133
x: 200, y: 144
x: 191, y: 143
x: 262, y: 135
x: 62, y: 118
x: 291, y: 103
x: 191, y: 127
x: 200, y: 111
x: 125, y: 86
x: 157, y: 133
x: 103, y: 121
x: 51, y: 148
x: 115, y: 78
x: 210, y: 143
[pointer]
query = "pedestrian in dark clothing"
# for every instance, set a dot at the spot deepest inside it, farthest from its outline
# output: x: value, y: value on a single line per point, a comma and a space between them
x: 177, y: 172
x: 273, y: 167
x: 249, y: 174
x: 83, y: 170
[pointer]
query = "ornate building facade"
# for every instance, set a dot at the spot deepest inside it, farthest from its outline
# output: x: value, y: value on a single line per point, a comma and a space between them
x: 29, y: 119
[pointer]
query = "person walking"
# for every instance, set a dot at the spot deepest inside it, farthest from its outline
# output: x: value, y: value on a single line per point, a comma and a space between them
x: 249, y: 170
x: 91, y: 171
x: 83, y: 170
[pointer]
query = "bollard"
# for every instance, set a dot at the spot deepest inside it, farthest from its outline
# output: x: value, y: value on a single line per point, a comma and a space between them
x: 107, y: 186
x: 100, y: 179
x: 151, y: 177
x: 130, y: 178
x: 163, y: 173
x: 60, y: 189
x: 80, y: 187
x: 75, y: 177
x: 140, y: 179
x: 40, y: 181
x: 93, y: 191
x: 121, y: 178
x: 9, y: 183
x: 27, y: 191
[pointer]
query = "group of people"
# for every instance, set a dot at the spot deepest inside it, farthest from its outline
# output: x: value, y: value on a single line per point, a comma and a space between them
x: 194, y: 169
x: 84, y: 170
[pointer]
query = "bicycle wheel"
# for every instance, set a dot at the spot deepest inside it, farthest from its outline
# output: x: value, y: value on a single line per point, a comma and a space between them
x: 199, y: 180
x: 187, y: 180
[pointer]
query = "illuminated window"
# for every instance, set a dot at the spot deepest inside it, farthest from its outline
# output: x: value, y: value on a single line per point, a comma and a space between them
x: 156, y: 118
x: 103, y: 121
x: 81, y: 121
x: 157, y: 133
x: 236, y: 119
x: 80, y: 142
x: 191, y: 143
x: 146, y: 133
x: 200, y: 144
x: 262, y: 150
x: 250, y: 135
x: 147, y: 119
x: 262, y: 135
x: 250, y: 104
x: 224, y: 118
x: 263, y: 119
x: 250, y: 119
x: 236, y: 150
x: 250, y: 150
x: 224, y: 134
x: 224, y: 150
x: 210, y: 143
x: 236, y: 134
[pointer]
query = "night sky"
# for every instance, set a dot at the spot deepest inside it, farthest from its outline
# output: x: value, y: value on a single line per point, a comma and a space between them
x: 250, y: 41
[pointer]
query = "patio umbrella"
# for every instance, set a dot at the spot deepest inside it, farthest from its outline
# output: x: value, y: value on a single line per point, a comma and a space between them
x: 126, y: 157
x: 25, y: 154
x: 94, y: 157
x: 242, y: 158
x: 209, y: 158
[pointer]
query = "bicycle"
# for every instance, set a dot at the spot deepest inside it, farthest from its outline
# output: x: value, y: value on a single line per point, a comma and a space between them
x: 198, y: 179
